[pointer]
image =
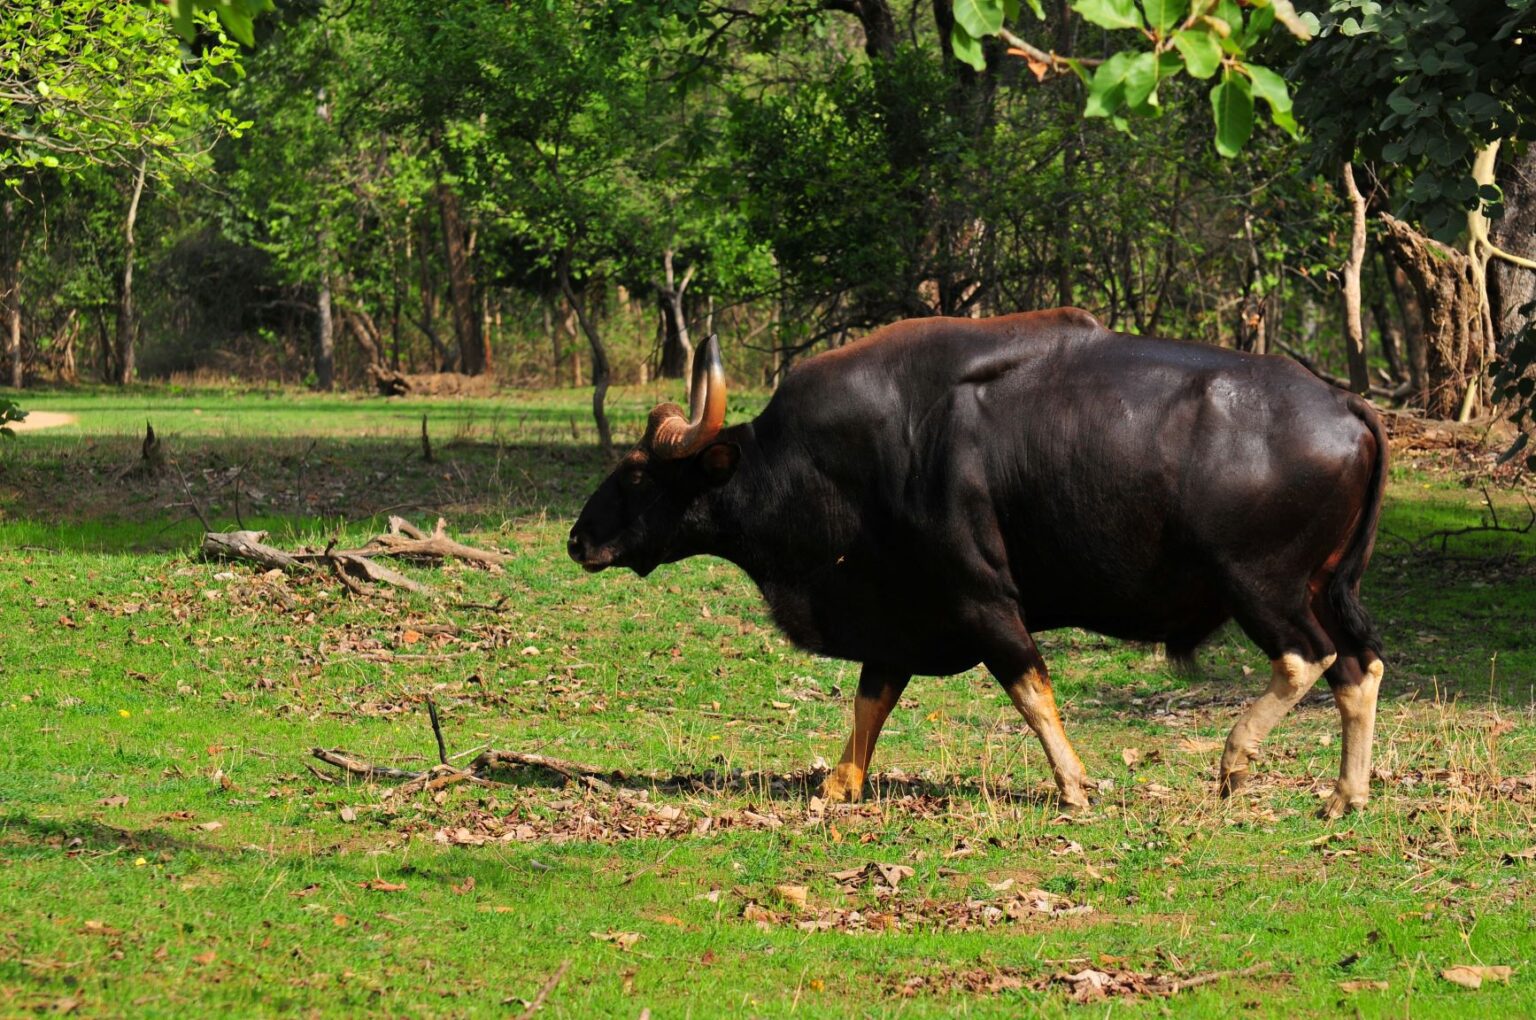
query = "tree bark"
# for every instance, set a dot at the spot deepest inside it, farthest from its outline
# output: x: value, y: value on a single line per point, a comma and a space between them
x: 1354, y: 329
x: 1413, y: 327
x: 68, y: 373
x: 127, y: 327
x: 599, y: 357
x: 13, y: 321
x: 1455, y: 343
x: 676, y: 350
x: 461, y: 284
x: 14, y: 241
x: 1391, y: 339
x: 362, y: 327
x: 325, y: 339
x: 1510, y: 286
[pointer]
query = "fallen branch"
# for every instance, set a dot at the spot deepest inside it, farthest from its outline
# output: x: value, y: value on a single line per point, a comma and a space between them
x: 1446, y: 534
x: 549, y: 986
x: 406, y: 541
x: 356, y: 767
x: 356, y: 569
x: 444, y: 774
x: 249, y: 546
x: 1214, y: 976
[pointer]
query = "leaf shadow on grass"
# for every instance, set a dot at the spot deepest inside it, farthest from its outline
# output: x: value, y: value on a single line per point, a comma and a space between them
x: 797, y: 786
x: 88, y: 834
x: 68, y: 494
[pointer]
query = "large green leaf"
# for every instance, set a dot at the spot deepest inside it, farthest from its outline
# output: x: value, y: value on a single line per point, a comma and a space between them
x: 1164, y: 14
x: 967, y: 47
x: 1232, y: 107
x: 1200, y: 49
x: 980, y: 18
x: 1109, y: 13
x: 1270, y: 87
x: 1106, y: 89
x: 1142, y: 77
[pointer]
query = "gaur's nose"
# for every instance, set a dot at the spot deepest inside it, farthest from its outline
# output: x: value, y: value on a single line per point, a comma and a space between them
x: 573, y: 546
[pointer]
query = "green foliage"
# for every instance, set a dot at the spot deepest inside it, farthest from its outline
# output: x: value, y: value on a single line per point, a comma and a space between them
x: 1200, y: 40
x: 237, y: 16
x: 89, y: 84
x: 10, y: 413
x: 1420, y: 85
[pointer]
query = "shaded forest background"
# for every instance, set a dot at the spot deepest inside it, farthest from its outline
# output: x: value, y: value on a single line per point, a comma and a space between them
x: 552, y: 193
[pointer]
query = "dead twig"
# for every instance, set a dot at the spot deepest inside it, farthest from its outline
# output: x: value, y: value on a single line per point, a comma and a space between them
x: 437, y: 731
x: 1446, y: 534
x: 1214, y: 976
x: 549, y: 986
x: 355, y: 767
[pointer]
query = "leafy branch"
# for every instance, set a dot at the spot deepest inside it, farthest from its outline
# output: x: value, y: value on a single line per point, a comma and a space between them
x: 1202, y: 38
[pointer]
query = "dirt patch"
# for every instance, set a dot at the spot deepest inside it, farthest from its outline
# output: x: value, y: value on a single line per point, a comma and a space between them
x: 36, y: 421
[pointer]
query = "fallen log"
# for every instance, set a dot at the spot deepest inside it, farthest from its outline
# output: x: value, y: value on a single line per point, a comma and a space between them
x: 249, y: 546
x: 356, y: 569
x: 439, y: 776
x: 405, y: 541
x: 391, y: 383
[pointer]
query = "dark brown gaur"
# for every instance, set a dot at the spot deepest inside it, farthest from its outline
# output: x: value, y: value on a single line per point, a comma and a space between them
x: 930, y: 497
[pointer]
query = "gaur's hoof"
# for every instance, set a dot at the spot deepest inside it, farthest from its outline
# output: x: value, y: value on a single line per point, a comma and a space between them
x: 1074, y: 800
x: 843, y: 785
x: 1233, y: 782
x: 1340, y: 804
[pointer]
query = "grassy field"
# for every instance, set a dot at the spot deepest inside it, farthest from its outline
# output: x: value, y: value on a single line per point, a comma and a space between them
x: 167, y: 848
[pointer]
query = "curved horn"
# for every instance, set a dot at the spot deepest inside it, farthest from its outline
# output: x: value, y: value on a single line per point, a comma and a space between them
x: 673, y: 436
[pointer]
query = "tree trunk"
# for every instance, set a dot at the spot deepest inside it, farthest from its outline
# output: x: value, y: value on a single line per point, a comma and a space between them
x: 68, y: 373
x: 599, y: 358
x: 676, y: 350
x: 1456, y: 346
x: 553, y: 336
x: 1391, y: 339
x: 1354, y: 329
x: 127, y: 327
x: 362, y: 327
x: 1511, y: 286
x: 1251, y: 334
x: 325, y: 339
x: 10, y: 285
x: 13, y: 321
x: 461, y: 284
x: 1413, y: 327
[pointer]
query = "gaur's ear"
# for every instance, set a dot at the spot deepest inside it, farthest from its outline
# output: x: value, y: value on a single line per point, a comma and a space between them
x: 719, y: 462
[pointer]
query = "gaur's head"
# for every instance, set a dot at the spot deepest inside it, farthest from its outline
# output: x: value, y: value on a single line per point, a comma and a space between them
x: 634, y: 518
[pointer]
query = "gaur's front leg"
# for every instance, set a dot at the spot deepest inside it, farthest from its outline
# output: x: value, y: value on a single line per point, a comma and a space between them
x: 1022, y: 674
x: 879, y: 690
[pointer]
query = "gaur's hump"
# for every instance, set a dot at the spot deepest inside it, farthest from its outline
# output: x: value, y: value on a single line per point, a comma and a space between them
x: 1068, y: 318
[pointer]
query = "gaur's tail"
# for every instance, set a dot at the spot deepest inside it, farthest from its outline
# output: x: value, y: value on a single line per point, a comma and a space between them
x: 1344, y: 586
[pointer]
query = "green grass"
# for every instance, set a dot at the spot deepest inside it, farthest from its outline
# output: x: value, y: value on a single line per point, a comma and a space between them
x: 229, y: 881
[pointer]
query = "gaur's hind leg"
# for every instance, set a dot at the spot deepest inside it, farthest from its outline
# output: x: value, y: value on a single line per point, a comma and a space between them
x: 1022, y: 674
x: 1300, y: 651
x: 1356, y: 681
x: 1355, y: 687
x: 879, y: 690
